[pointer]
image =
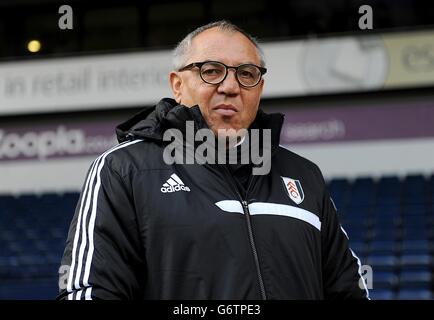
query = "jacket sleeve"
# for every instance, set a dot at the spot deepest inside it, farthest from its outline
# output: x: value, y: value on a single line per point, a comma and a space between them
x: 342, y: 275
x: 103, y: 257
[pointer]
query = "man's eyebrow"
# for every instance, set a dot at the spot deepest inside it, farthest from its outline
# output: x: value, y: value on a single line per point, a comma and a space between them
x: 217, y: 60
x: 250, y: 62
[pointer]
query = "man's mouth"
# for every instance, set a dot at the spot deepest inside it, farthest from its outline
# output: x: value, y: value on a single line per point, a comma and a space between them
x: 225, y: 109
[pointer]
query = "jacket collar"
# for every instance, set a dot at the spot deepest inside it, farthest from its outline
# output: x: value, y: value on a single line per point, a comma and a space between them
x: 151, y: 122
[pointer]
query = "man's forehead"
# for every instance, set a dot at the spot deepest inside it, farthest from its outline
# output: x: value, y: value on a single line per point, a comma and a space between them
x: 215, y: 44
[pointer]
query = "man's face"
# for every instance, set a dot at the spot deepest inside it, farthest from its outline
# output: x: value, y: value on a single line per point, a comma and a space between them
x: 232, y: 49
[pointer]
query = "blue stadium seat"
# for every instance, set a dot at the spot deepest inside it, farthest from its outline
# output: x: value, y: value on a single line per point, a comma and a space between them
x: 415, y: 234
x: 31, y: 259
x: 70, y: 200
x: 390, y: 224
x: 431, y: 190
x: 362, y: 191
x: 414, y: 294
x: 414, y: 210
x: 358, y: 212
x: 27, y: 202
x: 8, y: 204
x: 58, y: 232
x: 415, y: 223
x: 48, y: 271
x: 387, y: 247
x: 382, y: 262
x: 415, y: 279
x: 29, y: 290
x: 388, y: 184
x: 8, y: 261
x: 53, y: 258
x: 358, y: 247
x: 354, y: 224
x: 41, y: 246
x: 416, y: 247
x: 389, y: 210
x: 413, y: 227
x: 385, y: 235
x: 339, y: 184
x: 339, y: 190
x: 415, y: 188
x: 385, y: 279
x: 415, y: 261
x: 35, y: 233
x: 8, y: 235
x: 381, y: 294
x: 385, y: 220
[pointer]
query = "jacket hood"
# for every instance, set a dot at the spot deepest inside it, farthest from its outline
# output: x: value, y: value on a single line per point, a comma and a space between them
x: 151, y: 122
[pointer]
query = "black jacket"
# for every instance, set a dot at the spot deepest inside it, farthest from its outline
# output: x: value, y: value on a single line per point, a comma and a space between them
x: 147, y: 230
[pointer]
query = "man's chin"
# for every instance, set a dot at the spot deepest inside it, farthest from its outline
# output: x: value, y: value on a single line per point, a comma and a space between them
x: 227, y: 130
x: 232, y: 133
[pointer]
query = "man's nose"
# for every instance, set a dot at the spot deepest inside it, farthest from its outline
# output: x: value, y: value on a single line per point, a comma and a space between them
x: 230, y: 85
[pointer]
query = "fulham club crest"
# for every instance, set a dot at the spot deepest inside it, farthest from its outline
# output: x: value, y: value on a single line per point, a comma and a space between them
x: 293, y: 187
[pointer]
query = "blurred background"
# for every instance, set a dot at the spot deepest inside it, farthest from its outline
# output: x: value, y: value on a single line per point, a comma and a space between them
x: 357, y: 101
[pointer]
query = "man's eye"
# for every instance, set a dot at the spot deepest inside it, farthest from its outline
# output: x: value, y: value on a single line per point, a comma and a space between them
x: 212, y: 72
x: 246, y: 74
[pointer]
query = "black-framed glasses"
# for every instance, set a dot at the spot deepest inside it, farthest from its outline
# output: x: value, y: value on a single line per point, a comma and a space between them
x: 214, y: 72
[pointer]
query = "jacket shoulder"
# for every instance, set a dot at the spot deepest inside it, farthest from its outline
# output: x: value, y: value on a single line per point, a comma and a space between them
x: 297, y: 162
x: 134, y: 155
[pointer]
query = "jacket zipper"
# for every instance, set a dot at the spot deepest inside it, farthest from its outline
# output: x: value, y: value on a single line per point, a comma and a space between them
x: 255, y: 253
x: 245, y: 206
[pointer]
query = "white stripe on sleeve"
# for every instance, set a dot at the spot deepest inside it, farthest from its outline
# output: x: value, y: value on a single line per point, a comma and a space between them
x: 89, y: 193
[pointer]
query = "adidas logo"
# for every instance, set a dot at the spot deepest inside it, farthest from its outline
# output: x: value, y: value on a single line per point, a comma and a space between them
x: 174, y: 184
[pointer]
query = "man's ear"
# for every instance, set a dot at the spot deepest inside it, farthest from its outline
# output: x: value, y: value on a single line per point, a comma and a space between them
x: 175, y: 83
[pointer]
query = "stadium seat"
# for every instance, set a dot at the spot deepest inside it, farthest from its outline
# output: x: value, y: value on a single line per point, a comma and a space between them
x: 388, y: 191
x: 33, y: 231
x: 416, y: 247
x: 414, y: 211
x: 385, y: 280
x: 415, y: 234
x: 390, y: 224
x: 415, y: 189
x: 339, y: 189
x: 389, y: 234
x: 382, y: 262
x: 390, y: 210
x: 414, y: 294
x: 415, y: 279
x: 415, y: 261
x: 29, y: 290
x: 381, y: 294
x: 383, y: 247
x: 358, y: 247
x: 363, y: 191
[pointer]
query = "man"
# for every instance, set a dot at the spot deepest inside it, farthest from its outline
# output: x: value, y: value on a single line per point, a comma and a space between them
x: 146, y: 229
